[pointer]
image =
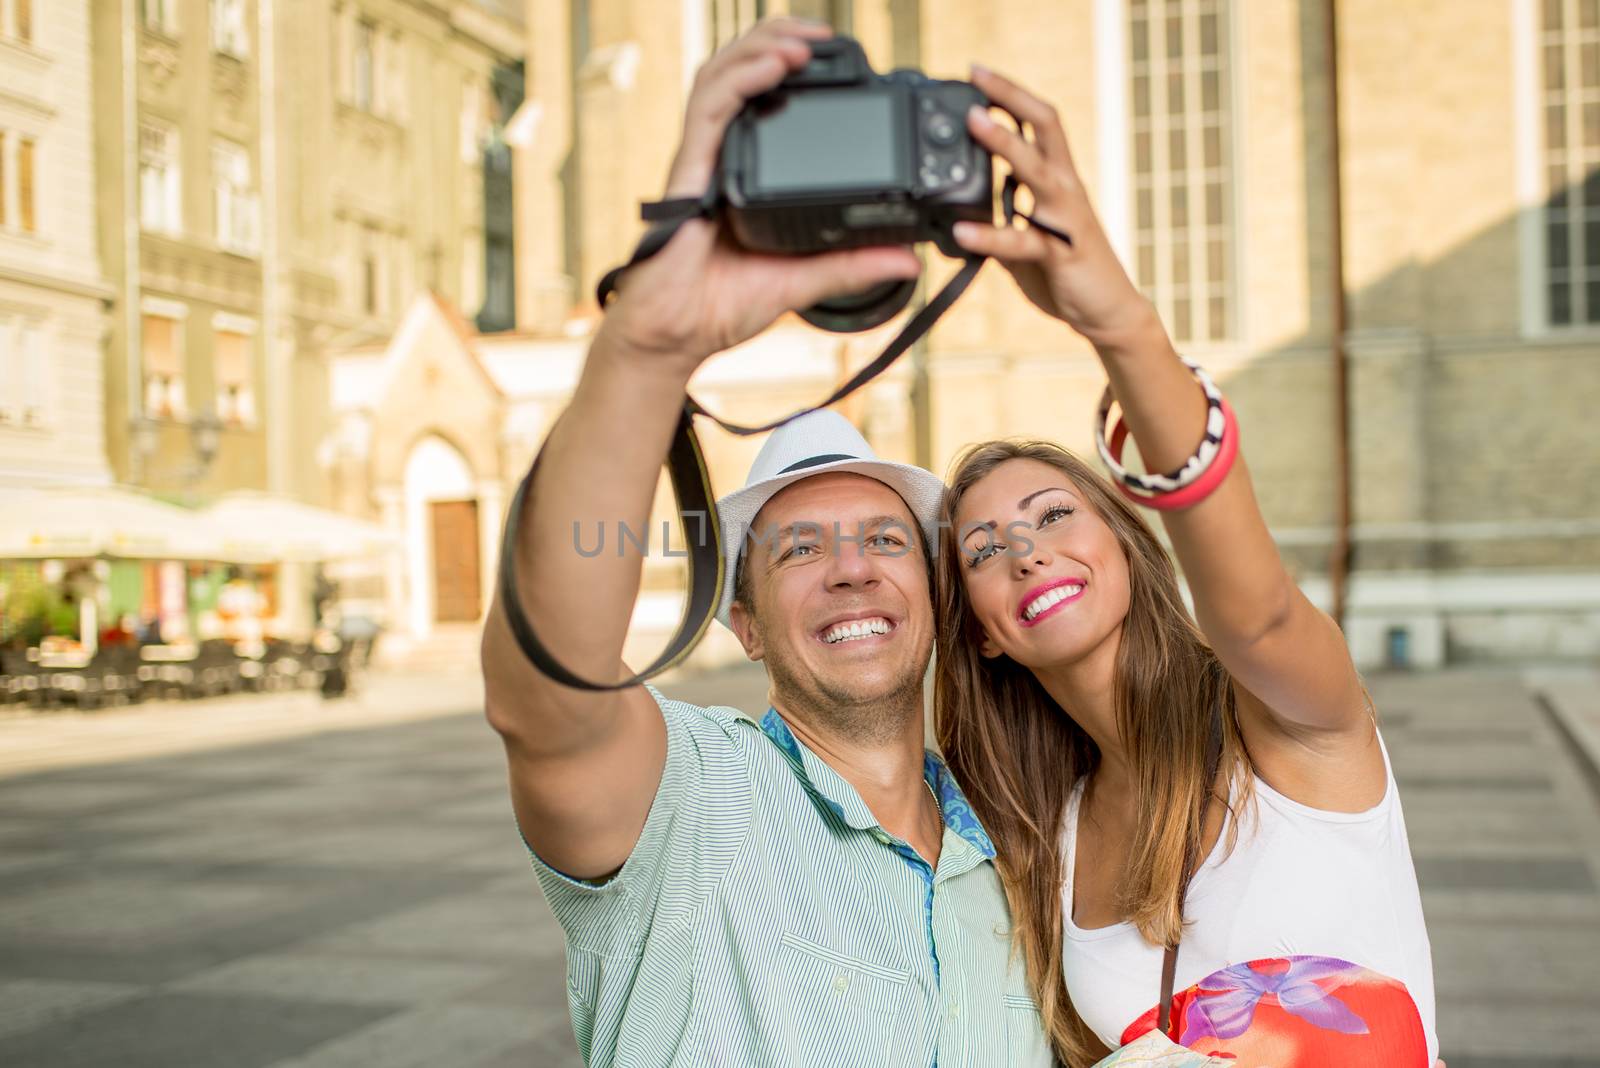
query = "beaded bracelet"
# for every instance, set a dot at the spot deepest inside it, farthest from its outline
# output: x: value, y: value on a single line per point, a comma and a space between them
x: 1203, y: 486
x: 1192, y: 468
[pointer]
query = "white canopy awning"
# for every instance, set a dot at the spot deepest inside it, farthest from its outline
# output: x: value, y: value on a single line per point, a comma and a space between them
x: 243, y: 527
x: 83, y: 521
x: 263, y: 526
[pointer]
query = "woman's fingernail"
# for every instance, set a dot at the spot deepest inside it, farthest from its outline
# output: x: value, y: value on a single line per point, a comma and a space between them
x: 980, y: 115
x: 979, y: 69
x: 965, y: 231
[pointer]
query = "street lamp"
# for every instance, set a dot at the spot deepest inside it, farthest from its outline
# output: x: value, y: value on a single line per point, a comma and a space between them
x: 205, y: 437
x: 205, y: 441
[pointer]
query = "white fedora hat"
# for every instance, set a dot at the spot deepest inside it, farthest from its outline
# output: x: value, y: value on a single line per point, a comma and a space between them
x: 816, y: 443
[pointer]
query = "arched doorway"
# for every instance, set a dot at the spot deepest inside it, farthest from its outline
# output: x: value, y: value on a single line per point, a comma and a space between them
x: 442, y: 536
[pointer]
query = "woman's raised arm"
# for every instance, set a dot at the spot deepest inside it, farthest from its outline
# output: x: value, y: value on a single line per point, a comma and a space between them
x: 1302, y: 700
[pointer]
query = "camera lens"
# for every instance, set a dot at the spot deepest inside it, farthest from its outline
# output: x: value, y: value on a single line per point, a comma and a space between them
x: 941, y: 129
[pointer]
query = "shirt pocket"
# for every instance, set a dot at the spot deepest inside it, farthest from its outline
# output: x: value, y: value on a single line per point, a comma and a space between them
x: 844, y: 1011
x: 1026, y: 1045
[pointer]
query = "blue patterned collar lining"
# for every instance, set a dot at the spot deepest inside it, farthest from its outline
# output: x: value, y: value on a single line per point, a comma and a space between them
x: 842, y: 800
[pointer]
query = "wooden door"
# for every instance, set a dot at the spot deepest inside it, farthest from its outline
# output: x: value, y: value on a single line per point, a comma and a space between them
x: 455, y: 561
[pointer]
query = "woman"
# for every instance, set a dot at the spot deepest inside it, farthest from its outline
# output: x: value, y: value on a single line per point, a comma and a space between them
x: 1112, y: 747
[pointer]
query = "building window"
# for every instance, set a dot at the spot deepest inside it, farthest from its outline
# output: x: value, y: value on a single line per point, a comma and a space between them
x: 1182, y: 164
x: 20, y: 26
x: 24, y: 382
x: 391, y: 83
x: 364, y: 65
x: 368, y: 64
x: 371, y: 294
x: 26, y: 218
x: 730, y: 18
x: 164, y: 394
x: 34, y: 406
x: 160, y: 16
x: 237, y: 208
x: 160, y: 206
x: 19, y: 167
x: 10, y: 377
x: 473, y: 121
x: 1570, y: 50
x: 228, y: 33
x: 236, y: 395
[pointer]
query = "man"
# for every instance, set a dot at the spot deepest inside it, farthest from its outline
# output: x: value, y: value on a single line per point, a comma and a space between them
x: 807, y: 888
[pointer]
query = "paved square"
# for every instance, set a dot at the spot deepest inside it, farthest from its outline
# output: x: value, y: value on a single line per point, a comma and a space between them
x: 359, y: 896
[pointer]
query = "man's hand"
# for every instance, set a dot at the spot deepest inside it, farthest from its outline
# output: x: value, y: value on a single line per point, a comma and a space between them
x: 702, y: 293
x: 585, y: 767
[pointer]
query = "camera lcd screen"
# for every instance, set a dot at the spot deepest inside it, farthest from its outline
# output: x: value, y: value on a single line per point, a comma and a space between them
x: 837, y: 140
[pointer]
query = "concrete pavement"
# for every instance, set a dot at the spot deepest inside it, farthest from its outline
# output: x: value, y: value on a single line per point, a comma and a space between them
x: 344, y: 886
x: 33, y: 741
x: 1505, y: 831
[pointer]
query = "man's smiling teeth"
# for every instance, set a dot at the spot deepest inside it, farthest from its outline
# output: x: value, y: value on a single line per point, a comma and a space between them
x: 1048, y: 598
x: 856, y: 628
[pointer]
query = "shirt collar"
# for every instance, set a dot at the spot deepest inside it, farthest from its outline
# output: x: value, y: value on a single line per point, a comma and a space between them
x: 830, y: 791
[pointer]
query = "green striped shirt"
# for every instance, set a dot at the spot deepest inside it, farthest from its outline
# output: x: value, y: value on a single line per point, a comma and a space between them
x: 765, y: 918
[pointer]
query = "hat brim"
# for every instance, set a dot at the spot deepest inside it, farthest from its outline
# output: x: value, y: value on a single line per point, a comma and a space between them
x: 922, y: 491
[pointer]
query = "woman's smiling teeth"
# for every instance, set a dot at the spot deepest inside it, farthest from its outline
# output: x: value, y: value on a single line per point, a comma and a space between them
x: 1048, y: 599
x: 855, y: 629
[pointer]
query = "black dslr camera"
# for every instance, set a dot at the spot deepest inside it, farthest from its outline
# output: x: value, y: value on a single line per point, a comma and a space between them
x: 837, y: 157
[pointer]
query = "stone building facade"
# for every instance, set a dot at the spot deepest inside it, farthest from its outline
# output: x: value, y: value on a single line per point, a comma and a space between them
x: 1468, y: 145
x: 53, y: 295
x: 276, y: 177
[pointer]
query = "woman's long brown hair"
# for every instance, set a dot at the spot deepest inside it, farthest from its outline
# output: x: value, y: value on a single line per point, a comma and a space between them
x: 1018, y: 754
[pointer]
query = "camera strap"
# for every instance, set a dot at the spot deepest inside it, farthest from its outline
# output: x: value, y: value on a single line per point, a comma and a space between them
x: 686, y: 465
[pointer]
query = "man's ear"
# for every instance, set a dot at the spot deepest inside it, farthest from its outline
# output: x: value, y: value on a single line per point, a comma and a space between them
x: 744, y: 627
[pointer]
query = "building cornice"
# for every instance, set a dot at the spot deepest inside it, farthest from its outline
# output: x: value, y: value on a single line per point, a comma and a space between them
x: 28, y: 102
x: 17, y: 51
x: 78, y: 286
x: 489, y: 30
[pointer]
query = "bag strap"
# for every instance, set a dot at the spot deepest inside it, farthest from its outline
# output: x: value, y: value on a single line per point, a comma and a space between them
x: 691, y: 483
x: 686, y: 466
x: 1169, y: 961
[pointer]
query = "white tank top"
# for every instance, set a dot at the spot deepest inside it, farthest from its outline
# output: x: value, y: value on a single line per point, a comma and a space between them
x: 1300, y: 883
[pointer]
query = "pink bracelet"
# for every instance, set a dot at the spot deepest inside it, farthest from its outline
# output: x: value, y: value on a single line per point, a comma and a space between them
x: 1205, y: 453
x: 1200, y: 488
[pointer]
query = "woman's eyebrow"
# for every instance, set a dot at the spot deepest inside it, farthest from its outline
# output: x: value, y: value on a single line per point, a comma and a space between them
x: 991, y: 525
x: 1048, y: 489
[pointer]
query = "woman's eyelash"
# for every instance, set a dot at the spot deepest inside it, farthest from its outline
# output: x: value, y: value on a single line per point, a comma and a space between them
x: 981, y: 553
x: 1049, y: 515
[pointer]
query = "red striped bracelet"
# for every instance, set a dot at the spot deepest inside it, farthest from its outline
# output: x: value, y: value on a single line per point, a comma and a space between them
x: 1200, y: 488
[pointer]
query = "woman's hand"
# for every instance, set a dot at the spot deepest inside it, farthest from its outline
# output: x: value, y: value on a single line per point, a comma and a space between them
x: 1083, y: 285
x: 702, y: 293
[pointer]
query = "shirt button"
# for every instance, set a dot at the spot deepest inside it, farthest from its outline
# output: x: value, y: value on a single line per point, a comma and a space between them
x: 955, y: 1011
x: 841, y: 983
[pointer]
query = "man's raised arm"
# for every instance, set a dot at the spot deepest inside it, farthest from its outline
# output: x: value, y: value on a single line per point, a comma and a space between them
x: 585, y: 766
